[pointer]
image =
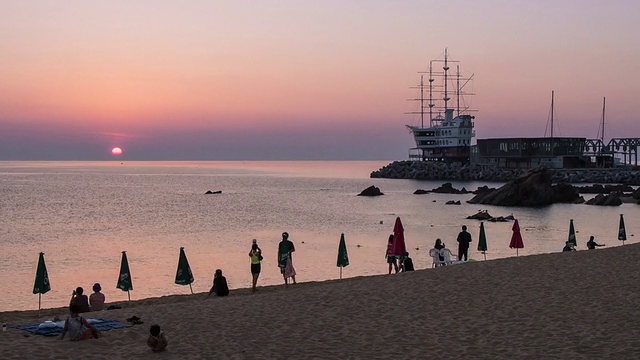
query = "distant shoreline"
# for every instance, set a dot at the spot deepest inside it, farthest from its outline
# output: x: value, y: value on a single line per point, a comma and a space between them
x: 423, y: 170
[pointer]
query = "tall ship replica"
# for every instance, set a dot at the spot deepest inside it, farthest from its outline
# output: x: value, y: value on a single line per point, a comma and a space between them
x: 448, y: 136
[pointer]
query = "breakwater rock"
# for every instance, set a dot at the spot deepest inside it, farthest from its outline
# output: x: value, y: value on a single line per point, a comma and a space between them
x: 423, y: 170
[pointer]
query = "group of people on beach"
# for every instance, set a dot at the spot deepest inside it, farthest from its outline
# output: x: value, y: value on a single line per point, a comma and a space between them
x: 400, y: 263
x: 95, y: 302
x: 404, y: 263
x: 285, y: 263
x: 591, y: 245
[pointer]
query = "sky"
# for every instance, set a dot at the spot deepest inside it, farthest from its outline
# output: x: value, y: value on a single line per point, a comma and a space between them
x: 301, y: 80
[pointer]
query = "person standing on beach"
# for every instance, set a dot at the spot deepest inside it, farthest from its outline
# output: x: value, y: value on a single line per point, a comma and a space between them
x: 256, y: 257
x: 464, y: 239
x: 391, y: 259
x: 591, y: 244
x: 285, y: 260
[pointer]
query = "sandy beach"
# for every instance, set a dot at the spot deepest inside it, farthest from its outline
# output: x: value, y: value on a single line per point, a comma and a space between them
x: 580, y: 305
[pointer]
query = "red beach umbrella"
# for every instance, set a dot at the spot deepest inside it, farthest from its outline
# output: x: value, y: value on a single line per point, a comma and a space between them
x: 516, y: 238
x: 399, y: 247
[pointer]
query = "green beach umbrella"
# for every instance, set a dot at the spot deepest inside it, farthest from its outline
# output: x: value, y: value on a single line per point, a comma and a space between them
x: 41, y: 285
x: 622, y: 233
x: 343, y: 257
x: 572, y: 234
x: 482, y: 241
x: 184, y: 275
x: 124, y: 279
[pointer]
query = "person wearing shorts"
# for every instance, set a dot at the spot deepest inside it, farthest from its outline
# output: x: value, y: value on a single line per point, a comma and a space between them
x: 256, y: 257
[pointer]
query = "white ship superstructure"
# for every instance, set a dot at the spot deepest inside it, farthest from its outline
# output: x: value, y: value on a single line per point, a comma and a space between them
x: 450, y: 129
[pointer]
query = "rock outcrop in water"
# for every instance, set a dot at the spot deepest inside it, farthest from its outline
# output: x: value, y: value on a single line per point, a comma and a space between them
x: 605, y: 200
x: 446, y: 188
x: 371, y: 191
x: 534, y: 188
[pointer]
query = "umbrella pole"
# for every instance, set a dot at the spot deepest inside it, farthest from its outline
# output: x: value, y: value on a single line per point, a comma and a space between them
x: 191, y: 289
x: 340, y: 272
x: 485, y: 255
x: 516, y: 252
x: 129, y: 295
x: 39, y: 301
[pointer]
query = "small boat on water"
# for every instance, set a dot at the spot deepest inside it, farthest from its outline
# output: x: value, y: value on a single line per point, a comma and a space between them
x: 447, y: 137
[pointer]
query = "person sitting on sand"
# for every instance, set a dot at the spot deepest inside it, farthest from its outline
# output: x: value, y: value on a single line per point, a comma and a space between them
x: 78, y: 327
x: 439, y: 246
x: 96, y: 300
x: 407, y: 264
x: 81, y: 300
x: 591, y: 244
x: 156, y: 341
x: 391, y: 259
x: 568, y: 247
x: 220, y: 287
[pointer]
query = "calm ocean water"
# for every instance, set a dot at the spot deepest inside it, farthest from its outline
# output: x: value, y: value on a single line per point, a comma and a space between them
x: 83, y: 214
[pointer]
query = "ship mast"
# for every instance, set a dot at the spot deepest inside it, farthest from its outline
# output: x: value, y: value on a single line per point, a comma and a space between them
x: 458, y: 87
x: 604, y: 100
x: 422, y: 101
x: 431, y: 104
x: 552, y: 96
x: 446, y: 73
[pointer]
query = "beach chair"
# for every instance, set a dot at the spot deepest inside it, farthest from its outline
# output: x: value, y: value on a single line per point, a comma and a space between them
x: 435, y: 255
x: 449, y: 259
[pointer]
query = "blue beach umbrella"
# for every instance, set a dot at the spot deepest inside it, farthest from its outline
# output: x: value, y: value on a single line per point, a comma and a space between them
x: 622, y: 232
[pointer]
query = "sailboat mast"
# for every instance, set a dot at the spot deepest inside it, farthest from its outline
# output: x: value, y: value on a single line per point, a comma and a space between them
x: 446, y: 72
x: 604, y: 101
x: 552, y: 96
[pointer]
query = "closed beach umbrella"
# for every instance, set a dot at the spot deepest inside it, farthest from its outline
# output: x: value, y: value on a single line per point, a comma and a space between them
x: 399, y: 247
x: 572, y: 234
x: 41, y: 285
x: 184, y: 275
x: 482, y: 241
x: 622, y: 233
x: 124, y: 279
x: 343, y: 257
x: 516, y: 238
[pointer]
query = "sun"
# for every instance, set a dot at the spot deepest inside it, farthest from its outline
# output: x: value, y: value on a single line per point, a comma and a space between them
x: 116, y: 151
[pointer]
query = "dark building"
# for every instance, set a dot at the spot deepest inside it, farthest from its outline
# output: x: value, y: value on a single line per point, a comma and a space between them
x: 557, y: 152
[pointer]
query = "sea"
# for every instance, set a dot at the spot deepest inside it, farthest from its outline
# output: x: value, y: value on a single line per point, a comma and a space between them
x: 82, y: 215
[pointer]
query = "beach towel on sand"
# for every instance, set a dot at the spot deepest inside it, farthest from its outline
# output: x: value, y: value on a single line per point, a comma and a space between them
x: 55, y: 329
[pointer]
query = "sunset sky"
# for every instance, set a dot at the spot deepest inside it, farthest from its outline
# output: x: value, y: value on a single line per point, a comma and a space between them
x: 298, y: 80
